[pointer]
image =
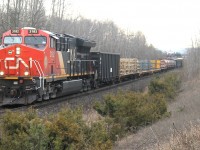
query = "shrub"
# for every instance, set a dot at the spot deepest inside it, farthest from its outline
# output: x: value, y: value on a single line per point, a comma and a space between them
x: 97, y: 136
x: 65, y: 130
x: 167, y: 85
x: 131, y: 110
x: 22, y: 131
x: 126, y: 111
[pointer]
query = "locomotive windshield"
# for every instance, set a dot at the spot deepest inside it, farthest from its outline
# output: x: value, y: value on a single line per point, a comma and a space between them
x: 38, y: 42
x: 9, y: 40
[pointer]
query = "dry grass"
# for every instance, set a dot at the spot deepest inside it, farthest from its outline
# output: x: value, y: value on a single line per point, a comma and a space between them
x: 91, y: 116
x: 188, y: 139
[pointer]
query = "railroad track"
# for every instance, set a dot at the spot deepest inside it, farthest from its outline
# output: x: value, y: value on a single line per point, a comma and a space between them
x: 52, y: 102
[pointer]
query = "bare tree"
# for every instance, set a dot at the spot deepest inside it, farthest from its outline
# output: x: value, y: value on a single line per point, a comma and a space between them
x: 36, y: 13
x: 58, y: 12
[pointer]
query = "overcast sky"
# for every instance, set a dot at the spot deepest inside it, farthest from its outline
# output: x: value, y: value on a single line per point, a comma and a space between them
x: 167, y: 24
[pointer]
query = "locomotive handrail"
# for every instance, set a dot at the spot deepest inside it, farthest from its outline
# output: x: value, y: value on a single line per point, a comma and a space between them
x: 41, y: 73
x: 0, y: 63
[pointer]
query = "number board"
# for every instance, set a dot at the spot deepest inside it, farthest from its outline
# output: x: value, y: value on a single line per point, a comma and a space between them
x: 32, y: 31
x: 15, y: 31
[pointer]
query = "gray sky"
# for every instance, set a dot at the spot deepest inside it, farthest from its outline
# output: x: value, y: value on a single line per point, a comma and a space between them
x: 167, y: 24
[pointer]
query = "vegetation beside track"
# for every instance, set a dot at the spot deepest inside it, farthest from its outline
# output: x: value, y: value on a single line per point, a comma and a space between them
x: 131, y: 110
x: 123, y: 112
x: 65, y: 130
x: 167, y: 85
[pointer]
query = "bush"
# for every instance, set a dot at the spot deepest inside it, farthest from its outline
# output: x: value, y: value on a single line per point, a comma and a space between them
x: 131, y: 110
x: 98, y: 137
x: 167, y: 85
x: 22, y: 131
x: 65, y: 130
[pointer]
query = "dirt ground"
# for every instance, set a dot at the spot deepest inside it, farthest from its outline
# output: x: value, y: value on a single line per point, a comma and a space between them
x: 185, y: 112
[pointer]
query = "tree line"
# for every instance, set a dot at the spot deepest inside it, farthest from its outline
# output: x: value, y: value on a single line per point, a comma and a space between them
x: 108, y: 36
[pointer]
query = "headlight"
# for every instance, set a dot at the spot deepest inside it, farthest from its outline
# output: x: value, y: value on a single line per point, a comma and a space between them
x: 18, y: 50
x: 26, y: 73
x: 1, y: 73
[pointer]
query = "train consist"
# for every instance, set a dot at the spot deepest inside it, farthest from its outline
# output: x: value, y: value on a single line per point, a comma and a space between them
x: 38, y: 65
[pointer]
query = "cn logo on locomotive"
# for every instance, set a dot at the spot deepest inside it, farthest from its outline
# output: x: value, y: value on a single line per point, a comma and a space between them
x: 17, y: 63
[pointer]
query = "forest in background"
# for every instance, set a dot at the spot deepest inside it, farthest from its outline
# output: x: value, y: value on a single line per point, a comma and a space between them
x: 108, y: 36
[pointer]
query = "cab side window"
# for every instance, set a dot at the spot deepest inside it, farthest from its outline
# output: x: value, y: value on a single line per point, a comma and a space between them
x: 53, y: 43
x: 58, y: 45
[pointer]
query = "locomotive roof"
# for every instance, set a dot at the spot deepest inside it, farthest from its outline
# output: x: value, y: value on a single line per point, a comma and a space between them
x: 105, y: 52
x: 84, y: 42
x: 79, y: 41
x: 51, y: 34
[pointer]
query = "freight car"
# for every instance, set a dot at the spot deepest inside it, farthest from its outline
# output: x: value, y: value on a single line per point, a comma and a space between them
x: 179, y: 62
x: 129, y: 68
x: 39, y: 65
x: 106, y: 67
x: 167, y: 64
x: 155, y: 65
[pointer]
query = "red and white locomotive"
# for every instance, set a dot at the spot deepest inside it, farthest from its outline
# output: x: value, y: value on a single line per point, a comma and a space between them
x: 38, y: 64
